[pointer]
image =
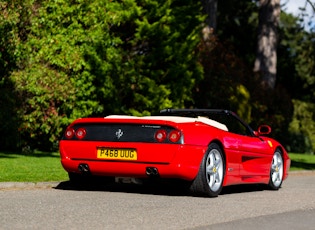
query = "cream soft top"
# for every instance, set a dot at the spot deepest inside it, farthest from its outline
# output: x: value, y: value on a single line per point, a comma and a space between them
x: 175, y: 119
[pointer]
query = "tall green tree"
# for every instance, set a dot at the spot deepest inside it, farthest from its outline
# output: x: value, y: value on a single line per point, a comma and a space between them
x: 296, y: 73
x: 227, y: 63
x: 14, y: 21
x: 91, y: 58
x: 158, y: 63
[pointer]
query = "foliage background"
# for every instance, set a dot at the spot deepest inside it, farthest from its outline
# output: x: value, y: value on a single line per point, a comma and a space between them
x: 61, y: 60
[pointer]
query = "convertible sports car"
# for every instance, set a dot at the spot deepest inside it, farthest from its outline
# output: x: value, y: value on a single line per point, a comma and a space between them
x: 207, y: 148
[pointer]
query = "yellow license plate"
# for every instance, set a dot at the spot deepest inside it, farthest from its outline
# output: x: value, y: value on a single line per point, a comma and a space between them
x: 117, y: 154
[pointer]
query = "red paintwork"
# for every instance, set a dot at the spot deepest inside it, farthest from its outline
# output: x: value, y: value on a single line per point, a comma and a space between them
x: 248, y: 159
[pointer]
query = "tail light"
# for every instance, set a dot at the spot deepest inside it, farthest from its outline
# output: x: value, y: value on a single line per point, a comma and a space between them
x: 160, y: 135
x: 174, y: 136
x: 80, y: 133
x: 69, y: 133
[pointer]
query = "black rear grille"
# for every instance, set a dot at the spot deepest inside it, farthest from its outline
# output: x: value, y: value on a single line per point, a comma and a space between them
x: 122, y: 132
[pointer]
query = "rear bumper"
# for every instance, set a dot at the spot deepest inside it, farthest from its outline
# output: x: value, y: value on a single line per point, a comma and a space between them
x: 184, y: 163
x: 137, y: 170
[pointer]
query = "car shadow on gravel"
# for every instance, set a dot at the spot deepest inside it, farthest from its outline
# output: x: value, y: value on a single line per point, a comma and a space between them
x: 169, y: 188
x: 152, y: 189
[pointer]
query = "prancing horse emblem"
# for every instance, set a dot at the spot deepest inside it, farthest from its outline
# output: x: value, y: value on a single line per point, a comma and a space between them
x: 119, y: 133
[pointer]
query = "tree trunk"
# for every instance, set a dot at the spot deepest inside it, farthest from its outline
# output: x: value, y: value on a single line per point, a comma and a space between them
x: 210, y: 8
x: 266, y: 58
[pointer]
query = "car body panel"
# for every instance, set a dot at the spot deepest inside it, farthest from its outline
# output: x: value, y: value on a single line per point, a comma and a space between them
x: 248, y: 158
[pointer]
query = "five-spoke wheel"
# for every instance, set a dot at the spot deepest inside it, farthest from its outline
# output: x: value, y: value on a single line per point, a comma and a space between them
x: 209, y: 180
x: 214, y: 169
x: 276, y: 171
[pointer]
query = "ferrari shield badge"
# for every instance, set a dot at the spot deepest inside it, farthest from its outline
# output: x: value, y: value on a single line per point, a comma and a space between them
x: 119, y: 133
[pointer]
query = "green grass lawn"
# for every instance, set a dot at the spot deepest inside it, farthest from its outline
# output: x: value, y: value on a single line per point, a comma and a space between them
x: 35, y: 167
x: 41, y: 167
x: 302, y: 161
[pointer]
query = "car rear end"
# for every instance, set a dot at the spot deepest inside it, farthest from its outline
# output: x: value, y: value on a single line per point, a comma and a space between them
x: 130, y: 147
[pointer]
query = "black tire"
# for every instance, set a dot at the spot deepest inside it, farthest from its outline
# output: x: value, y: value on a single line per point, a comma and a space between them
x: 209, y: 180
x: 276, y: 171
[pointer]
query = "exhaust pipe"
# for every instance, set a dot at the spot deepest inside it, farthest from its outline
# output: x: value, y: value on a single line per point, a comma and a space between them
x: 152, y: 171
x: 84, y: 168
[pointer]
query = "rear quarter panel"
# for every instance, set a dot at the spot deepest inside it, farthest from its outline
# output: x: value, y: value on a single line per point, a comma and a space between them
x: 200, y: 134
x: 203, y: 135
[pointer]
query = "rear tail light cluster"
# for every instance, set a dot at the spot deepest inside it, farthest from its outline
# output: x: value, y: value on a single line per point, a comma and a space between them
x: 164, y: 134
x: 173, y: 136
x: 79, y: 133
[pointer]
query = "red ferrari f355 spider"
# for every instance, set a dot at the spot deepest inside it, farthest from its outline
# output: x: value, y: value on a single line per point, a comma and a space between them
x: 207, y: 148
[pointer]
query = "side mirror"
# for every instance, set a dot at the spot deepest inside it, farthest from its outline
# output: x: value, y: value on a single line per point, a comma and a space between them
x: 263, y: 130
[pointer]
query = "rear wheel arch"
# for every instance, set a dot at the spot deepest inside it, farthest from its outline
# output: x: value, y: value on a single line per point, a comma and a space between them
x: 219, y: 143
x: 211, y: 174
